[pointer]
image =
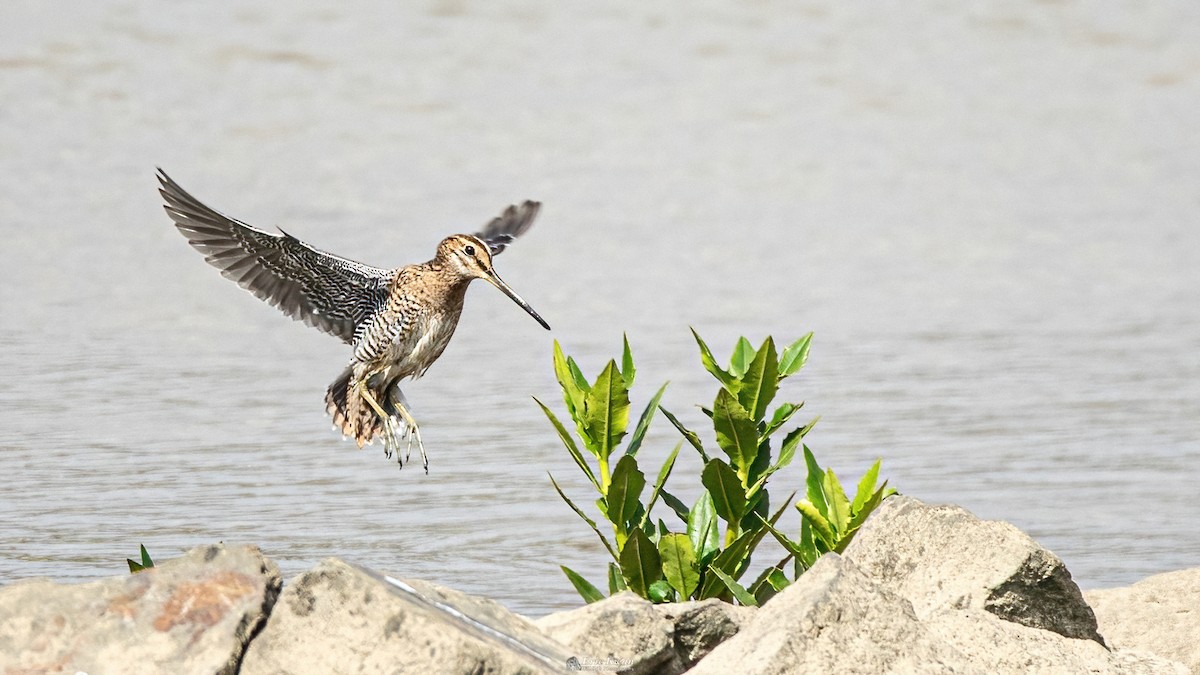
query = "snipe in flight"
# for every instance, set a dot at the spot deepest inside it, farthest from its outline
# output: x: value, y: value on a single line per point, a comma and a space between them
x: 398, y: 321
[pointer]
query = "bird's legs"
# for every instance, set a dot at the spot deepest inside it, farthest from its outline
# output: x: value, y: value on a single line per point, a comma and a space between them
x: 390, y: 443
x: 396, y: 398
x: 390, y: 434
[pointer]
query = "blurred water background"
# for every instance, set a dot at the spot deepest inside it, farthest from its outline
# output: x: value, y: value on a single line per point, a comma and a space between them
x: 987, y: 212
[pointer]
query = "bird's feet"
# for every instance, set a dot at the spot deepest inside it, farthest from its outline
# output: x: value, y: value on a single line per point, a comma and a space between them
x: 395, y: 431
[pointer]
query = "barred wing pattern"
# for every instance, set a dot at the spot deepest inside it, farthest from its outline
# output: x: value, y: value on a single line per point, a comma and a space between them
x: 325, y: 291
x: 507, y: 226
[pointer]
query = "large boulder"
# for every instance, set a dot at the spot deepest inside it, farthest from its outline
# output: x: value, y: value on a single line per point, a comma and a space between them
x: 622, y: 633
x: 338, y: 618
x: 837, y: 619
x: 834, y: 620
x: 193, y: 614
x: 1159, y: 614
x: 943, y: 557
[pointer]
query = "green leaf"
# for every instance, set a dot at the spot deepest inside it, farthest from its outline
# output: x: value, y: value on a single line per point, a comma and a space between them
x: 727, y: 492
x: 640, y: 563
x: 743, y: 596
x: 792, y: 547
x: 573, y: 388
x: 679, y: 563
x: 736, y: 433
x: 616, y: 583
x: 639, y: 432
x: 760, y: 470
x: 814, y: 490
x: 778, y: 579
x: 786, y: 453
x: 676, y: 504
x: 577, y: 375
x: 606, y: 410
x: 760, y: 381
x: 794, y: 357
x: 861, y: 515
x: 743, y: 354
x: 703, y: 530
x: 781, y: 416
x: 866, y: 487
x: 624, y: 493
x: 818, y: 522
x: 788, y: 450
x: 735, y: 557
x: 569, y: 441
x: 661, y: 591
x: 688, y: 434
x: 663, y: 474
x: 663, y: 531
x: 770, y: 581
x: 146, y: 562
x: 627, y: 370
x: 839, y: 504
x: 710, y: 364
x: 584, y: 516
x: 586, y: 590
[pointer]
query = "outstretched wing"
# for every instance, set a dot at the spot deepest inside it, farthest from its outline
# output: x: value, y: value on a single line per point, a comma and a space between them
x: 509, y: 225
x: 330, y: 293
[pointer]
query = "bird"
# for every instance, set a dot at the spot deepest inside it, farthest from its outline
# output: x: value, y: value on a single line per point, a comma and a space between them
x: 398, y: 321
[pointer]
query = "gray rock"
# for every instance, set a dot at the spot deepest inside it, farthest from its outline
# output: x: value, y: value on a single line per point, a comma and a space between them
x: 836, y: 619
x: 833, y: 620
x: 1159, y: 614
x: 943, y: 557
x: 623, y: 633
x: 989, y: 644
x: 338, y: 618
x: 697, y: 627
x: 193, y: 614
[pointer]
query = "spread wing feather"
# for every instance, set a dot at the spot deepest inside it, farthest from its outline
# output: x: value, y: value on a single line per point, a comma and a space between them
x: 507, y: 226
x: 331, y: 293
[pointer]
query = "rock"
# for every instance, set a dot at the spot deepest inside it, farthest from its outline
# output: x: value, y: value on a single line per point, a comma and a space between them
x: 338, y: 618
x: 1159, y: 614
x: 622, y: 632
x: 943, y: 557
x: 193, y: 614
x: 837, y: 619
x: 832, y: 619
x: 989, y: 644
x: 697, y: 627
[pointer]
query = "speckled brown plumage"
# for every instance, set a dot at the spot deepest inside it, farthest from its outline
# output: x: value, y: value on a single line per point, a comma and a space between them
x: 399, y: 321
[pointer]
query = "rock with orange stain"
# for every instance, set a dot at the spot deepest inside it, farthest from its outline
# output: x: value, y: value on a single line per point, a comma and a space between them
x: 194, y: 614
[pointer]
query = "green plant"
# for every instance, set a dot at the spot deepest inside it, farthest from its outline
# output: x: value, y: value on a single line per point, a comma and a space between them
x: 828, y: 517
x: 600, y: 410
x: 736, y: 484
x: 146, y: 563
x: 733, y: 513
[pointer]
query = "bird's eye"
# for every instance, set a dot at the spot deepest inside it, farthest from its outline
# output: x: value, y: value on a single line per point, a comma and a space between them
x: 469, y: 250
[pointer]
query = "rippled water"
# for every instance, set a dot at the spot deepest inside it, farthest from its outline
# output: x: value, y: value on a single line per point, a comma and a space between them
x: 987, y: 214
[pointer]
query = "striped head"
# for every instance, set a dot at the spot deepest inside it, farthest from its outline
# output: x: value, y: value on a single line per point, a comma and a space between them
x: 470, y: 258
x: 465, y: 254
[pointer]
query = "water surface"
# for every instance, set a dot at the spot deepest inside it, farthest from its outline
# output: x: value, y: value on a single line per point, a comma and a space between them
x: 987, y: 213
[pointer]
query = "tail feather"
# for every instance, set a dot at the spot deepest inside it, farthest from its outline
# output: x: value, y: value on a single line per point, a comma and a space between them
x: 350, y: 411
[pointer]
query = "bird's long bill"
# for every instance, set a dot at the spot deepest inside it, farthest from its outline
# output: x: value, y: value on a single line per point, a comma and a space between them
x: 499, y: 283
